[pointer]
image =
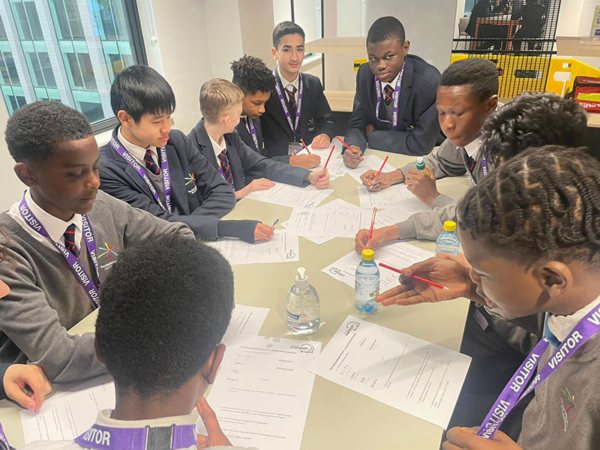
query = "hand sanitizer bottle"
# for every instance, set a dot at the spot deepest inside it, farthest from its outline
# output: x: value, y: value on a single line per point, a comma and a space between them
x: 302, y: 305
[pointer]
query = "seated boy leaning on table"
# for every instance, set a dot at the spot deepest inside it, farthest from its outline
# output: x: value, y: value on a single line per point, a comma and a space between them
x: 150, y: 308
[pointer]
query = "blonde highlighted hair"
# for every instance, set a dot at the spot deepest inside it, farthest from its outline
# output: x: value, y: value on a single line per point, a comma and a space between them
x: 217, y: 96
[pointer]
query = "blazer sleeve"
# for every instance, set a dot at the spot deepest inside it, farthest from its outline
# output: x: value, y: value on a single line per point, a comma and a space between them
x: 257, y: 166
x: 356, y: 134
x: 324, y: 117
x: 3, y: 369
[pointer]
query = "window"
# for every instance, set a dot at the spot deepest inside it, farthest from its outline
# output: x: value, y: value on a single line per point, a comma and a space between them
x: 67, y: 51
x: 306, y: 13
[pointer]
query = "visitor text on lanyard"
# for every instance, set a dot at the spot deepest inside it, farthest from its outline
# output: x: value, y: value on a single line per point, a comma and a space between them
x: 253, y: 133
x: 293, y: 126
x: 108, y: 438
x: 397, y: 90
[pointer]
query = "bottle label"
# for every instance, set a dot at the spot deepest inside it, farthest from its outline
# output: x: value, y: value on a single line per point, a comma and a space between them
x: 293, y: 316
x: 367, y: 288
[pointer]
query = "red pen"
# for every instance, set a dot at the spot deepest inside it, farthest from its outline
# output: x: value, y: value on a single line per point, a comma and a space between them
x: 382, y: 166
x: 329, y: 157
x: 415, y: 277
x: 372, y: 223
x: 302, y: 140
x: 347, y: 146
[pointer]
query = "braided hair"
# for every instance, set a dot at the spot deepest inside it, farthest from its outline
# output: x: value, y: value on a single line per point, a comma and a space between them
x: 533, y: 119
x: 542, y: 204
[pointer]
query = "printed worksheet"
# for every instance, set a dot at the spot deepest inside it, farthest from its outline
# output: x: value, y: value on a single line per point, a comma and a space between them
x: 329, y: 221
x: 406, y: 373
x: 245, y: 324
x: 283, y: 247
x: 397, y: 196
x: 336, y: 167
x: 371, y: 162
x: 292, y: 196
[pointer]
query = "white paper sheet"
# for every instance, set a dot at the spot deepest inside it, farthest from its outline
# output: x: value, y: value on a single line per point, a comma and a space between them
x: 292, y: 196
x: 371, y: 162
x: 336, y: 166
x: 246, y: 322
x: 399, y: 255
x: 397, y: 196
x: 262, y: 393
x: 283, y: 247
x: 412, y: 375
x: 395, y: 214
x: 68, y: 414
x: 332, y: 221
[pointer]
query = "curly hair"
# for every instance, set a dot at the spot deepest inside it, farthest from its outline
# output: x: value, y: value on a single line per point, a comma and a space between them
x: 386, y: 28
x: 165, y: 308
x: 252, y: 74
x: 532, y: 119
x: 480, y: 74
x: 33, y: 131
x: 542, y: 204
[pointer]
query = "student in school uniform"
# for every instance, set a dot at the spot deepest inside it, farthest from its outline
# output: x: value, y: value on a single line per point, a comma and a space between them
x: 64, y: 238
x: 529, y: 233
x: 297, y: 108
x: 161, y: 363
x: 255, y: 79
x: 394, y: 106
x: 243, y: 168
x: 157, y: 169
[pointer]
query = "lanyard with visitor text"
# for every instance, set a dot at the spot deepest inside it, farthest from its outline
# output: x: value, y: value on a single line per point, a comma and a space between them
x: 253, y: 133
x: 484, y: 168
x: 512, y: 393
x: 164, y: 166
x: 90, y: 241
x: 101, y: 437
x: 293, y: 126
x: 397, y: 90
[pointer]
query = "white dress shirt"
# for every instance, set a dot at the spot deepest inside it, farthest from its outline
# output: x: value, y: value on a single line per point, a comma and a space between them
x: 136, y: 151
x: 288, y: 84
x: 473, y: 147
x: 218, y: 148
x: 561, y: 326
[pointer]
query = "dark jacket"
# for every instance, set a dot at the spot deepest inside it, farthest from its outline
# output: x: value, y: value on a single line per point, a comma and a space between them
x: 246, y: 137
x: 315, y: 118
x: 200, y: 196
x: 418, y: 126
x: 246, y: 164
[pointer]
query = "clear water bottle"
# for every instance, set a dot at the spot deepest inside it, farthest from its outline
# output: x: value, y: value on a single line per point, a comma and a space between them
x: 447, y: 242
x: 366, y: 286
x: 302, y: 305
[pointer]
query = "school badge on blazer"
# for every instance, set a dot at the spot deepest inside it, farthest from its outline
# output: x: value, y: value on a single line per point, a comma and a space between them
x: 107, y: 255
x: 190, y: 182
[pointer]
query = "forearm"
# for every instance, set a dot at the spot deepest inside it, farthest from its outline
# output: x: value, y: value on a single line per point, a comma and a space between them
x: 241, y: 229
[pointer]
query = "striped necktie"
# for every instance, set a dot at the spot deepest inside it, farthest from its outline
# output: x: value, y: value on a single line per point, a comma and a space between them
x: 292, y: 100
x: 150, y: 164
x: 226, y: 168
x: 389, y: 94
x: 69, y: 237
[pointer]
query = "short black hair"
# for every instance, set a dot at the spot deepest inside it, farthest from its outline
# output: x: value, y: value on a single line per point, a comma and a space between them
x: 165, y: 308
x: 481, y: 74
x: 283, y: 29
x: 532, y: 119
x: 252, y: 74
x: 33, y: 131
x: 140, y: 90
x: 386, y: 28
x: 542, y: 204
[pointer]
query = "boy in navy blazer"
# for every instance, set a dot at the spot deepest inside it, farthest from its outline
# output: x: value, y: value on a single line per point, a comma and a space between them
x: 242, y: 167
x: 394, y: 106
x: 159, y: 170
x: 297, y: 108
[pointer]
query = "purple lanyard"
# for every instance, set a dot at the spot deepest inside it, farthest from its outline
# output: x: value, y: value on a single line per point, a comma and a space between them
x: 397, y: 90
x: 293, y: 126
x: 484, y: 169
x: 253, y: 133
x: 511, y: 395
x: 164, y: 165
x: 90, y: 241
x: 3, y: 441
x: 107, y: 438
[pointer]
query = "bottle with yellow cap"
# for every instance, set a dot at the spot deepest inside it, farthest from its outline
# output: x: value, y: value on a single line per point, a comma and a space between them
x: 366, y: 286
x: 447, y: 241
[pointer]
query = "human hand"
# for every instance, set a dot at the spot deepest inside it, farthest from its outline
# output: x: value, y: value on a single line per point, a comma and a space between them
x: 261, y: 184
x: 383, y: 181
x: 320, y: 178
x: 307, y: 162
x: 422, y: 185
x: 352, y: 157
x: 467, y: 439
x: 263, y: 232
x: 15, y: 379
x: 444, y: 269
x: 380, y: 237
x: 320, y: 141
x: 215, y: 437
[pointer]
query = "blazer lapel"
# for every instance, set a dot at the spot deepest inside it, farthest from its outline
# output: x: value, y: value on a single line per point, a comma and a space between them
x: 204, y: 144
x: 178, y: 188
x: 406, y: 85
x: 130, y: 171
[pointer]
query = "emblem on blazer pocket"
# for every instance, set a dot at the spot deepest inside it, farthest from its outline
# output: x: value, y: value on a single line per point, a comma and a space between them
x: 108, y: 252
x: 190, y: 182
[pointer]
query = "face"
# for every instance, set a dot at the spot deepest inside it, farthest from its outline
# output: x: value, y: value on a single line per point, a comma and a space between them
x: 152, y: 129
x: 289, y: 55
x: 68, y: 181
x: 461, y: 114
x: 231, y: 118
x: 254, y: 104
x: 510, y: 289
x: 386, y: 58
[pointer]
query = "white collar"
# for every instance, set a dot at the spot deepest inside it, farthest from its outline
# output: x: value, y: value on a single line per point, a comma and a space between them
x: 285, y: 83
x: 473, y: 147
x: 136, y: 151
x: 561, y: 326
x: 217, y: 148
x: 104, y: 419
x: 391, y: 83
x: 54, y: 226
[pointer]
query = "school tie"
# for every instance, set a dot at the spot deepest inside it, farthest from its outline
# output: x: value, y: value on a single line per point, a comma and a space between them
x: 389, y: 94
x: 225, y: 168
x: 69, y: 236
x: 292, y: 99
x: 469, y: 161
x: 150, y: 164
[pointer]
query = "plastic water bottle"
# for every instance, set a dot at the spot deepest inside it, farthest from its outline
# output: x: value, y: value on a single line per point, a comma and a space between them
x: 366, y: 286
x: 303, y: 307
x: 421, y: 165
x: 447, y: 241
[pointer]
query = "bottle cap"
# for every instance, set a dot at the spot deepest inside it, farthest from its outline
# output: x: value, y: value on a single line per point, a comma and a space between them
x: 449, y: 225
x: 368, y: 255
x: 301, y: 278
x: 420, y: 163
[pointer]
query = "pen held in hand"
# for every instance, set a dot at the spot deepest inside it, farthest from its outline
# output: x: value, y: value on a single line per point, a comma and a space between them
x: 328, y: 158
x: 415, y: 277
x: 372, y: 223
x: 302, y: 140
x: 347, y: 146
x: 275, y: 224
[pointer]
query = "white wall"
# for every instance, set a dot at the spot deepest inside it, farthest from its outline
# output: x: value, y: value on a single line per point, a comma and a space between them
x: 223, y: 30
x: 349, y: 18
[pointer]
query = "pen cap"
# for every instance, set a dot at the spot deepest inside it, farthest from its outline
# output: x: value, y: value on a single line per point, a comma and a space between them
x: 301, y: 278
x: 420, y: 163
